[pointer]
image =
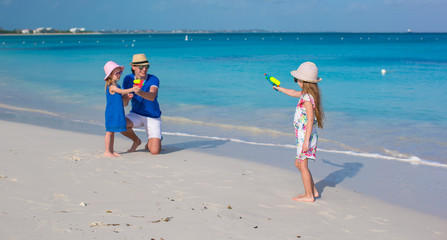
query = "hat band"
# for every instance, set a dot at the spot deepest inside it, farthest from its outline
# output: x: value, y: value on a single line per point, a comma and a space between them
x: 140, y: 62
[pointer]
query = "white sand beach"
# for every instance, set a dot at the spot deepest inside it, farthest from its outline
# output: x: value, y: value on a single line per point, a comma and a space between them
x: 56, y: 184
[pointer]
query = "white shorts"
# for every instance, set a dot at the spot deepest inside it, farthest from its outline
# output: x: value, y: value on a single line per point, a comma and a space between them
x: 152, y: 125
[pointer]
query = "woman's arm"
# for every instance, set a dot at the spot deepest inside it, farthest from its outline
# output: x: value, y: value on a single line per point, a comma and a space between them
x: 290, y: 92
x: 151, y: 95
x: 309, y: 125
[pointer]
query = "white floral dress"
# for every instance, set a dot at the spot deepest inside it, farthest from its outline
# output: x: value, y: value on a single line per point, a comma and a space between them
x: 300, y: 121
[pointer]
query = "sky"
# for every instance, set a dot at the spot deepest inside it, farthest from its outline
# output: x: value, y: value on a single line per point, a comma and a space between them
x: 222, y: 15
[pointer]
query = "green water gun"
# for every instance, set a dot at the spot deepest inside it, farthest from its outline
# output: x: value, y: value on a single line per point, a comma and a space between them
x: 272, y: 80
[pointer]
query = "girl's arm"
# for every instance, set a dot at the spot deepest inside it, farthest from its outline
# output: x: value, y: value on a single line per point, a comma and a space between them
x: 309, y: 125
x: 290, y: 92
x: 114, y: 89
x: 126, y: 98
x: 151, y: 95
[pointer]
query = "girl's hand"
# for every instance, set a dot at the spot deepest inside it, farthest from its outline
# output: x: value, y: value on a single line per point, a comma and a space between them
x: 275, y: 88
x: 135, y: 88
x: 305, y: 147
x: 127, y: 96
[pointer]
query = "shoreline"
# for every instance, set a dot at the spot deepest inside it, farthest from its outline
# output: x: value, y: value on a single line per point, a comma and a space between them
x: 208, y: 32
x: 349, y: 151
x: 60, y: 186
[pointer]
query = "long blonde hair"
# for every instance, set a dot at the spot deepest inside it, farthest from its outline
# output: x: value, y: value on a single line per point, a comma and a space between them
x: 314, y: 90
x: 109, y: 81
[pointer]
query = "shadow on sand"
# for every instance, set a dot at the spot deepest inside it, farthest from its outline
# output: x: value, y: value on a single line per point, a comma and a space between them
x: 200, y: 144
x: 349, y: 169
x: 170, y: 148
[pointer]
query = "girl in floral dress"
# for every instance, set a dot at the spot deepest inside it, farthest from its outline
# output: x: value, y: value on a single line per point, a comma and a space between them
x: 308, y: 115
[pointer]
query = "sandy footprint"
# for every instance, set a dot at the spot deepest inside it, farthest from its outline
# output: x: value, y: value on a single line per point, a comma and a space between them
x: 247, y: 172
x: 327, y: 214
x: 177, y: 174
x: 155, y: 176
x: 45, y: 206
x: 159, y: 167
x: 203, y: 183
x: 60, y: 197
x: 290, y: 206
x: 378, y: 230
x: 9, y: 179
x: 264, y: 206
x: 350, y: 217
x: 380, y: 221
x: 78, y: 155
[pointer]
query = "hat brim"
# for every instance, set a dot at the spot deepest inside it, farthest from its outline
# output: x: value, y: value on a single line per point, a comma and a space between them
x: 296, y: 75
x: 122, y: 70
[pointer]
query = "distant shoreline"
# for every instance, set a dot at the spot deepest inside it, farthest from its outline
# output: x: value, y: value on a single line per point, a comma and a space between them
x: 205, y: 32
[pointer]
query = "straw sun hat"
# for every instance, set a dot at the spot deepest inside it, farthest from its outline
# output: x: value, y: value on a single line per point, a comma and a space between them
x: 307, y: 72
x: 109, y: 67
x: 139, y: 59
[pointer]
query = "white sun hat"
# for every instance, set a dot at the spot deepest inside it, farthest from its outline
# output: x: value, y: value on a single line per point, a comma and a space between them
x: 307, y: 72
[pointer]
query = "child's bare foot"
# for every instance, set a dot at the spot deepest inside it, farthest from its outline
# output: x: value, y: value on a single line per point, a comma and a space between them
x: 304, y: 198
x: 109, y: 154
x: 116, y: 154
x: 134, y: 146
x: 316, y: 195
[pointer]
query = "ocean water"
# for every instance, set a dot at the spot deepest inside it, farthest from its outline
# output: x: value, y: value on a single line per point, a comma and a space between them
x: 213, y: 86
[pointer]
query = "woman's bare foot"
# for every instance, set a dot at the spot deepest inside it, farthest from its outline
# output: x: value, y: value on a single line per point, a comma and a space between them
x: 109, y: 154
x: 304, y: 198
x: 134, y: 146
x: 116, y: 154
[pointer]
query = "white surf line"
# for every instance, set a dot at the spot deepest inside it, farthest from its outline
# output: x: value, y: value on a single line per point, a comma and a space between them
x: 28, y: 110
x: 412, y: 160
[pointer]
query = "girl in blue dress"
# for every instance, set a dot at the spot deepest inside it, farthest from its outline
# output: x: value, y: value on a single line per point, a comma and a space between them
x: 114, y: 114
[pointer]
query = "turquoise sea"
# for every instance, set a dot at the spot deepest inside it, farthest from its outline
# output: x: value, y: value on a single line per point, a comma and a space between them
x: 213, y: 86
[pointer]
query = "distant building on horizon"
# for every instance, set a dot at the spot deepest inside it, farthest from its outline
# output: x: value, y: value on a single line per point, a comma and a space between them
x: 76, y: 30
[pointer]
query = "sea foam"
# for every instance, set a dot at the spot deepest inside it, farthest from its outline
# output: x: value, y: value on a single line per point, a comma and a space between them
x: 412, y: 159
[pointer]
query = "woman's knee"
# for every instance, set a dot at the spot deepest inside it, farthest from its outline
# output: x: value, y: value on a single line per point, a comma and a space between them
x: 154, y: 146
